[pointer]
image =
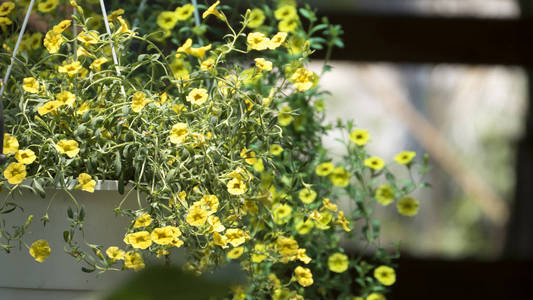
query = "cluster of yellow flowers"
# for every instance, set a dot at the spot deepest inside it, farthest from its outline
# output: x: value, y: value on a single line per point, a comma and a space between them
x: 222, y: 137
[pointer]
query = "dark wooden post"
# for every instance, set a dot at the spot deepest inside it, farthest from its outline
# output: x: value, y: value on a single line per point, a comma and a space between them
x: 519, y: 240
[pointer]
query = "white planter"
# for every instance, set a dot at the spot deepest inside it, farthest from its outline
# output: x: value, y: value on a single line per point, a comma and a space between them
x: 60, y: 277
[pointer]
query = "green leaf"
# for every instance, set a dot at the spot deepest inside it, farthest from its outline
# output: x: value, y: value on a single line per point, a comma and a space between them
x: 81, y: 215
x: 84, y: 269
x: 39, y: 188
x: 70, y: 213
x: 121, y: 184
x: 118, y: 163
x: 66, y: 236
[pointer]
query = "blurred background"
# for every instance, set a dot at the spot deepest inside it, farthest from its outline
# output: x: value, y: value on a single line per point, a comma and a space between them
x: 450, y: 78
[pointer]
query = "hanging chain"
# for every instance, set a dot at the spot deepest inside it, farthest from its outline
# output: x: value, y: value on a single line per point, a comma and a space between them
x: 8, y: 72
x: 113, y: 53
x: 197, y: 19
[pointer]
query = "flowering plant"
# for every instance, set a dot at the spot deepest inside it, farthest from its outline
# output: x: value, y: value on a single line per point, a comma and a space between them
x: 221, y: 138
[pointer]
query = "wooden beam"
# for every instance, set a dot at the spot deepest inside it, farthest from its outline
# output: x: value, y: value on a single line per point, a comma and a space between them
x: 403, y: 39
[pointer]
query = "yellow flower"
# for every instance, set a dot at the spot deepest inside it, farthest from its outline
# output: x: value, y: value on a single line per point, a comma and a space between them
x: 200, y: 51
x: 25, y: 156
x: 307, y: 195
x: 340, y: 177
x: 66, y: 98
x: 289, y: 25
x: 328, y: 205
x: 359, y: 137
x: 384, y: 194
x: 115, y: 14
x: 196, y: 216
x: 304, y: 227
x: 256, y: 18
x: 284, y: 116
x: 407, y: 206
x: 47, y: 6
x: 315, y: 215
x: 59, y: 28
x: 220, y: 240
x: 185, y: 48
x: 405, y: 157
x: 178, y: 133
x: 71, y: 69
x: 259, y: 253
x: 324, y: 169
x: 95, y: 21
x: 68, y: 147
x: 30, y: 85
x: 197, y: 96
x: 6, y: 8
x: 209, y: 203
x: 324, y: 221
x: 167, y: 19
x: 374, y: 163
x: 86, y: 182
x: 235, y: 253
x: 83, y: 52
x: 123, y: 26
x: 165, y: 235
x: 88, y: 38
x: 184, y: 12
x: 207, y: 65
x: 259, y: 166
x: 215, y: 224
x: 115, y: 253
x: 303, y: 276
x: 133, y: 261
x: 52, y: 41
x: 138, y: 240
x: 138, y: 101
x: 282, y: 213
x: 375, y: 296
x: 385, y: 275
x: 302, y: 256
x: 285, y: 12
x: 338, y: 262
x: 287, y: 246
x: 303, y: 79
x: 11, y: 144
x: 277, y: 40
x: 15, y: 173
x: 249, y: 156
x: 75, y: 5
x: 40, y: 250
x: 263, y: 64
x: 180, y: 69
x: 257, y: 41
x: 296, y: 45
x: 97, y: 63
x: 83, y: 108
x: 143, y: 221
x: 236, y: 187
x: 235, y: 236
x: 341, y: 220
x: 212, y: 10
x: 276, y: 149
x: 176, y: 242
x: 49, y: 106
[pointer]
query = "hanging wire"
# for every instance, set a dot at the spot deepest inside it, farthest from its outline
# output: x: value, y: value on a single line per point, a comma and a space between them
x: 8, y: 72
x: 75, y: 33
x: 113, y: 53
x: 197, y: 19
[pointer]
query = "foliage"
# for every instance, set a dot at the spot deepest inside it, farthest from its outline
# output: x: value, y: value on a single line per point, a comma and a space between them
x: 218, y: 128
